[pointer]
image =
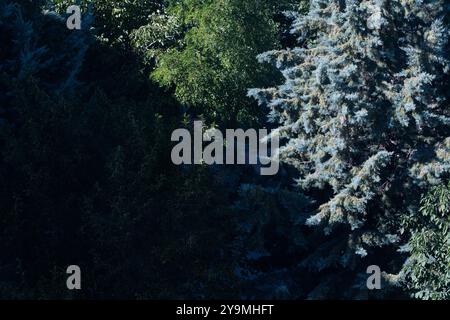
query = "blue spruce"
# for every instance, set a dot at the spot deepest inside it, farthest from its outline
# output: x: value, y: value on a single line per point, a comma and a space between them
x: 364, y: 115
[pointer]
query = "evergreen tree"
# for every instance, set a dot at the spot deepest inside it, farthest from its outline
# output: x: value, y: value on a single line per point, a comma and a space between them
x: 86, y: 176
x: 39, y: 45
x: 364, y: 116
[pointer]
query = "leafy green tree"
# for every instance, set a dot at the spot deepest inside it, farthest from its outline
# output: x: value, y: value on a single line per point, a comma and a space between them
x: 427, y: 271
x: 214, y: 61
x: 364, y: 117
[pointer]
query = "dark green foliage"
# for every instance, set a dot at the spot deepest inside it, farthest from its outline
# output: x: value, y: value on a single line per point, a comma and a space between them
x: 91, y: 183
x: 87, y: 179
x: 86, y: 176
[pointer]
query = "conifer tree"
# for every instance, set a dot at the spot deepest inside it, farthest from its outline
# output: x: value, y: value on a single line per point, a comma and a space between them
x: 38, y: 44
x: 86, y: 176
x: 364, y: 116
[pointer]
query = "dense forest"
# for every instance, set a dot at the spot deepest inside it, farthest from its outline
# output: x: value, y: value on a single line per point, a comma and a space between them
x: 356, y: 91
